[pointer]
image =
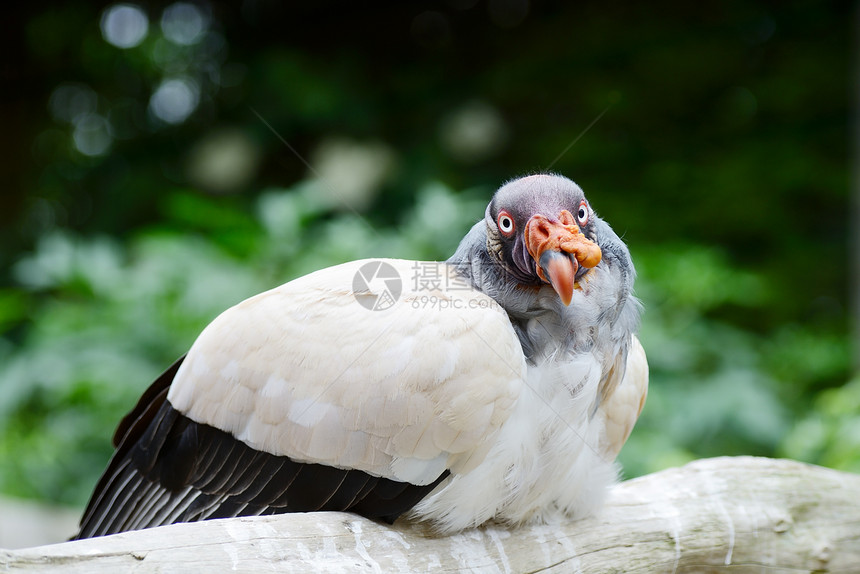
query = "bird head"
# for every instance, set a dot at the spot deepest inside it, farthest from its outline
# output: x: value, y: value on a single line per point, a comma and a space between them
x: 541, y: 229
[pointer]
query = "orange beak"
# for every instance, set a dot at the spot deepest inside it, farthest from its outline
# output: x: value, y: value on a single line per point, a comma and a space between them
x: 559, y: 248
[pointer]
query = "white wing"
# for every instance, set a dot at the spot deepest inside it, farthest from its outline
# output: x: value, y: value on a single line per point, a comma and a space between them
x: 306, y: 371
x: 621, y: 409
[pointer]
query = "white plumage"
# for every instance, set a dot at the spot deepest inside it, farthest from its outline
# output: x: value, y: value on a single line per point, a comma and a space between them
x: 286, y: 372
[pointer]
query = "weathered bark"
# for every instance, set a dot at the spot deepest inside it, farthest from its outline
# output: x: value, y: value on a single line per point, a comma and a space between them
x: 740, y: 514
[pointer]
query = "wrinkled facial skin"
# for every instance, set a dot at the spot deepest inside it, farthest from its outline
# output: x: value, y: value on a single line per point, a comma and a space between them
x: 541, y: 229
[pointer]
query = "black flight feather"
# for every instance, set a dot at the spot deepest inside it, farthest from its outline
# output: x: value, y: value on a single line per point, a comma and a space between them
x: 168, y: 468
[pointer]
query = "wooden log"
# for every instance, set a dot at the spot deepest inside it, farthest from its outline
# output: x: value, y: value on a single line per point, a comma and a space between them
x: 730, y: 514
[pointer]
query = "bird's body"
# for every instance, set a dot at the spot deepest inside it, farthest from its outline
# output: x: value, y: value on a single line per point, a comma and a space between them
x: 480, y: 394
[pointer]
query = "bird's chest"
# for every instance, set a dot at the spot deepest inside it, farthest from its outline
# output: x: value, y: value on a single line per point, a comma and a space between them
x: 542, y: 460
x: 551, y: 417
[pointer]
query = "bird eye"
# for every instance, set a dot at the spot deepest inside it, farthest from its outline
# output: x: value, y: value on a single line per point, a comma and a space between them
x: 582, y: 214
x: 506, y: 224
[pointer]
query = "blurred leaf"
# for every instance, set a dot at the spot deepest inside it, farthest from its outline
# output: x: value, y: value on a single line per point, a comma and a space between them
x: 830, y: 435
x: 14, y: 307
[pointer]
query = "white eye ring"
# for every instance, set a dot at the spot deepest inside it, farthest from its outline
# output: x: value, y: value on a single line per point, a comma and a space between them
x: 506, y: 223
x: 582, y: 214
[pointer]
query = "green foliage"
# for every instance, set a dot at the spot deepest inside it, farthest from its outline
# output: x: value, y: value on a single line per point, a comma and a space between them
x: 830, y: 433
x: 721, y: 390
x: 108, y: 317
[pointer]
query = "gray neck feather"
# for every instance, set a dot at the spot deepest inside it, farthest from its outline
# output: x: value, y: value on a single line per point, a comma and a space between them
x: 600, y: 319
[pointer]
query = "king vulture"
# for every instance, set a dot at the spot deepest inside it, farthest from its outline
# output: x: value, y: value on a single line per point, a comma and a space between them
x: 499, y: 384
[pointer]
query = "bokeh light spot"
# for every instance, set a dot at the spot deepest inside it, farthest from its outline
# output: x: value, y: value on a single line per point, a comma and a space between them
x: 184, y: 23
x: 224, y: 161
x: 175, y: 100
x: 473, y: 132
x: 124, y: 25
x: 351, y: 171
x: 92, y: 135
